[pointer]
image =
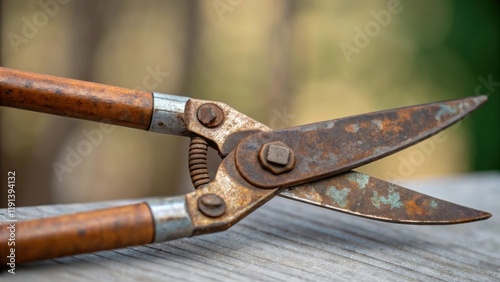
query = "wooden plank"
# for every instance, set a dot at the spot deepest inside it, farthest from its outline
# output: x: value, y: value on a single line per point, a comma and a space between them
x: 291, y: 241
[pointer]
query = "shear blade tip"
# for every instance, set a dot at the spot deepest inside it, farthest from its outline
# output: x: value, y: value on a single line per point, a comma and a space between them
x: 481, y: 99
x: 480, y: 215
x: 485, y: 215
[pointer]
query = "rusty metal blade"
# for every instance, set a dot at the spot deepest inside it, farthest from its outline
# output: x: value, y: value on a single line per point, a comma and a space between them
x: 362, y: 195
x: 330, y: 147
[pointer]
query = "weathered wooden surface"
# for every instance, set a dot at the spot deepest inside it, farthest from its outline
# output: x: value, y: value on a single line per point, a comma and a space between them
x: 291, y: 241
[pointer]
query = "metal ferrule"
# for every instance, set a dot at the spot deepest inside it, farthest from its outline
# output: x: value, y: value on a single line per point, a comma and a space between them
x: 171, y: 218
x: 168, y: 114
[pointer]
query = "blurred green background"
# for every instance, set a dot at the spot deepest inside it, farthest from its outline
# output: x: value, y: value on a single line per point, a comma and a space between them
x: 284, y: 63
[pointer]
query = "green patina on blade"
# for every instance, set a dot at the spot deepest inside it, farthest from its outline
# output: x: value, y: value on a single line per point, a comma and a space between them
x: 362, y: 195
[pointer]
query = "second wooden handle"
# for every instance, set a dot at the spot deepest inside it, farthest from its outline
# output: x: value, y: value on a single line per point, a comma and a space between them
x: 78, y: 233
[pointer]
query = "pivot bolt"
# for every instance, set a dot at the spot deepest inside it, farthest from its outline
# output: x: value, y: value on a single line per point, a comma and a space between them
x: 210, y: 115
x: 211, y: 205
x: 276, y: 157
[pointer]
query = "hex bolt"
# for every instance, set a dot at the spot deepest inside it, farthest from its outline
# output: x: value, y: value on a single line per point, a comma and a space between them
x: 211, y: 205
x: 278, y: 154
x: 210, y: 115
x: 276, y: 157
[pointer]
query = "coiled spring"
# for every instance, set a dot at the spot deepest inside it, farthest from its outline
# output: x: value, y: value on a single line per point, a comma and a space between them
x: 198, y: 164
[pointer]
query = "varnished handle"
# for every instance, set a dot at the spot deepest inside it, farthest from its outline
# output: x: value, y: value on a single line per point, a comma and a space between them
x: 74, y: 98
x: 78, y: 233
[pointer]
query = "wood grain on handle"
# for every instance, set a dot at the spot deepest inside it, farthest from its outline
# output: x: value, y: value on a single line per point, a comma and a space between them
x: 79, y: 233
x: 74, y: 98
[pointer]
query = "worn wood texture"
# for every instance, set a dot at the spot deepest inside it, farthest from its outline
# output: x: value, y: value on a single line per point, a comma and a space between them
x: 291, y: 241
x: 85, y: 232
x: 74, y: 98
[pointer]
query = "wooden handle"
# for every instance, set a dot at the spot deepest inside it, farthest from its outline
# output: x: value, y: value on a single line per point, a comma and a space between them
x: 74, y: 98
x: 77, y: 233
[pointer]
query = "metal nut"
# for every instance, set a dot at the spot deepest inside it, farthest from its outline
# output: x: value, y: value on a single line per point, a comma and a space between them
x: 211, y: 205
x: 276, y: 157
x: 278, y: 154
x: 210, y: 115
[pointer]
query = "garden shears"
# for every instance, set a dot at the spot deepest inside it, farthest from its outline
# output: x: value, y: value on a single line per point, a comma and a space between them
x: 309, y: 163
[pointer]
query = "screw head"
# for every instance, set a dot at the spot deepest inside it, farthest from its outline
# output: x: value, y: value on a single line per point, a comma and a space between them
x: 210, y: 115
x: 276, y: 157
x: 278, y: 154
x: 211, y: 205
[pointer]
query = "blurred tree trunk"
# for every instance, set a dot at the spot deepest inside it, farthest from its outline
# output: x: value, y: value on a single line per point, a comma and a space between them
x: 280, y: 54
x: 191, y: 30
x: 281, y: 84
x: 85, y: 36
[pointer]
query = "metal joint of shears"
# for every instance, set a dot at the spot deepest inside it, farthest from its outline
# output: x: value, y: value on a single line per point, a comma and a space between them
x: 260, y: 163
x: 310, y: 163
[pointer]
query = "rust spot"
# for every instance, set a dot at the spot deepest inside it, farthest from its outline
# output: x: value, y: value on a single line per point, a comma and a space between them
x: 405, y: 115
x: 391, y: 125
x: 413, y: 209
x: 353, y: 128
